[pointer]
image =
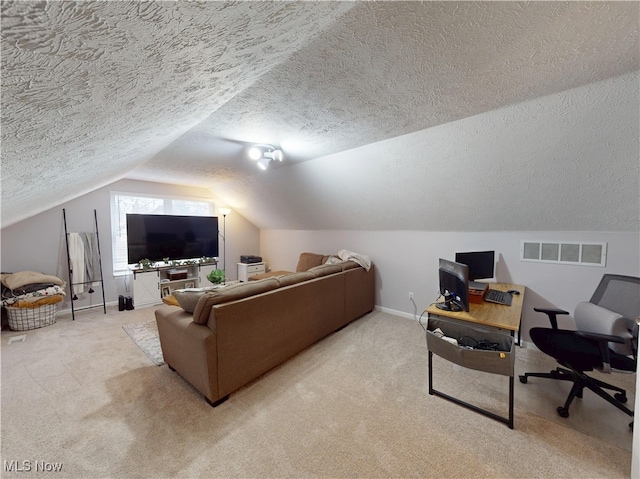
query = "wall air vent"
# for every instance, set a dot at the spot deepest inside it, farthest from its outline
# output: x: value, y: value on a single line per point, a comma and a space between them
x: 564, y: 252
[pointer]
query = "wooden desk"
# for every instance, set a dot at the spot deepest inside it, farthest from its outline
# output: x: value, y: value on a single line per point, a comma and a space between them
x: 489, y: 314
x: 499, y: 317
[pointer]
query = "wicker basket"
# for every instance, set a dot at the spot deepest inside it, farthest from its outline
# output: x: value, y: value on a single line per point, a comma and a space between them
x: 23, y: 319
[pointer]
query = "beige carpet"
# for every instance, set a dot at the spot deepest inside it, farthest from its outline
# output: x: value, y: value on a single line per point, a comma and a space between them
x: 356, y: 404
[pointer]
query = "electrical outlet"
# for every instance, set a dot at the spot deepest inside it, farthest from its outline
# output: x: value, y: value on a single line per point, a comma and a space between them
x: 411, y: 295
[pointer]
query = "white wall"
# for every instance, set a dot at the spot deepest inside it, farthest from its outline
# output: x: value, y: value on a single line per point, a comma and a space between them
x: 38, y: 243
x: 408, y: 261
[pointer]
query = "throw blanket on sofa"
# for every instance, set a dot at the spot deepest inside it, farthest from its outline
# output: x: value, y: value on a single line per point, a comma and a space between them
x: 362, y: 260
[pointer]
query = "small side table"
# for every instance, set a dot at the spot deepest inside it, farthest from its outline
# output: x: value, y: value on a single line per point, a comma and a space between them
x: 249, y: 269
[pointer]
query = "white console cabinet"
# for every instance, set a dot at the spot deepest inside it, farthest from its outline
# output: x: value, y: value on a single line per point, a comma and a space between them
x: 150, y: 285
x: 245, y: 270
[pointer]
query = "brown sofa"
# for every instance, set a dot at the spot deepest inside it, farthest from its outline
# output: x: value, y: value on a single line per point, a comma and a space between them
x: 239, y: 332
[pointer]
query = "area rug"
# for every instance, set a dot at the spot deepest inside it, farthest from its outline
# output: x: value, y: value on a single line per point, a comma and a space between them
x: 145, y: 335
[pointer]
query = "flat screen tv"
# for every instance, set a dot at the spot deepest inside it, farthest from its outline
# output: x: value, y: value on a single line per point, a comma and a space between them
x: 156, y: 237
x: 481, y: 264
x: 454, y: 285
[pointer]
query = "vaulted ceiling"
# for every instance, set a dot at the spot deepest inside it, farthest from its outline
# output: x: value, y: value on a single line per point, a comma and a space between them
x: 173, y: 92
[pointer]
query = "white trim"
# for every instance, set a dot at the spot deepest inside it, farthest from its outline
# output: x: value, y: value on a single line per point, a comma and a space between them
x: 164, y: 197
x: 395, y: 312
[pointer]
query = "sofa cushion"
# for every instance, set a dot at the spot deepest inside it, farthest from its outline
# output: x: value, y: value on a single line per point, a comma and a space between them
x: 349, y: 265
x: 230, y: 293
x: 345, y: 265
x: 188, y: 298
x: 270, y: 274
x: 294, y: 278
x: 308, y: 261
x: 325, y: 269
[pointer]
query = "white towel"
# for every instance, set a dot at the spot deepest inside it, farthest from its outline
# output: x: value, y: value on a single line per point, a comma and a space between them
x: 362, y: 260
x: 85, y: 261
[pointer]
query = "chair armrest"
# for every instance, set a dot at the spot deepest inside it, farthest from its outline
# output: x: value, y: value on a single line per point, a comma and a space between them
x: 603, y: 343
x: 604, y: 338
x: 552, y: 313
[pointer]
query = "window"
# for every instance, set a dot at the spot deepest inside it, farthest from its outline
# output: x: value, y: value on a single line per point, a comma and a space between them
x: 123, y: 203
x: 565, y: 252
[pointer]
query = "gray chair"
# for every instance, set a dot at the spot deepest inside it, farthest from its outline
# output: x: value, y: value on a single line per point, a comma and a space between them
x: 605, y: 340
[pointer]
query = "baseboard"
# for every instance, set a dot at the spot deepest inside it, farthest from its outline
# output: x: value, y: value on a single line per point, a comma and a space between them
x: 395, y: 312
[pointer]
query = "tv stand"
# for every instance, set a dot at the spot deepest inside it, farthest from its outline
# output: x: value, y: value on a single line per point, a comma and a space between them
x: 151, y: 284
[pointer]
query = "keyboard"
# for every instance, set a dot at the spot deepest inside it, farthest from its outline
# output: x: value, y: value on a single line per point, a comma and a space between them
x: 500, y: 297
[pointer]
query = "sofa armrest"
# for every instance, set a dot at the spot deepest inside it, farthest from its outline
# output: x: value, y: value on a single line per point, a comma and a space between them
x: 359, y: 292
x: 189, y: 348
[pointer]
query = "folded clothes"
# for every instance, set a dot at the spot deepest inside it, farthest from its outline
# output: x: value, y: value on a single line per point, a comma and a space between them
x: 8, y: 299
x: 26, y: 289
x: 37, y: 302
x: 22, y: 278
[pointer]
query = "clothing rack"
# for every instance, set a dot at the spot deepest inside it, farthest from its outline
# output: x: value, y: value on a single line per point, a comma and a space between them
x: 91, y: 280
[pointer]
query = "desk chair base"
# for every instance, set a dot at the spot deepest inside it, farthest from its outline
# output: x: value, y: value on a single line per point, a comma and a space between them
x: 581, y: 381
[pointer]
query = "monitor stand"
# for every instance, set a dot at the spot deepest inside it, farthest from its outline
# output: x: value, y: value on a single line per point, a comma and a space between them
x: 448, y: 304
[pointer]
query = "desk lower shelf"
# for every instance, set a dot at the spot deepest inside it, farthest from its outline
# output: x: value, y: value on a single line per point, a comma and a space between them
x: 500, y: 362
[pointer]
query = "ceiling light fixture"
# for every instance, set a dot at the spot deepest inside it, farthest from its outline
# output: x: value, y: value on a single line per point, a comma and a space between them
x: 255, y: 153
x: 274, y: 154
x: 264, y: 154
x: 263, y: 163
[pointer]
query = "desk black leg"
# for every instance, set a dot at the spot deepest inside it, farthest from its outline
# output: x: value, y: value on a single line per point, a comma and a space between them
x: 431, y: 373
x: 510, y: 422
x: 506, y: 420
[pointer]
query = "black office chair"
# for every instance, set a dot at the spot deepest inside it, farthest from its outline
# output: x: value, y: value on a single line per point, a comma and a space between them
x: 605, y: 340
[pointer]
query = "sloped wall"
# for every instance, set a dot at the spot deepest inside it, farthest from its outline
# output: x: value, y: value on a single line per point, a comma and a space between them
x: 564, y: 162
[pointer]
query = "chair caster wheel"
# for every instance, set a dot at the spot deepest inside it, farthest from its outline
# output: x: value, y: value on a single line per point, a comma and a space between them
x: 621, y: 397
x: 523, y: 379
x: 564, y: 412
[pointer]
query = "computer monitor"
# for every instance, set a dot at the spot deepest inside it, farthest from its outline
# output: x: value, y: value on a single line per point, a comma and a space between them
x: 481, y: 264
x: 454, y: 286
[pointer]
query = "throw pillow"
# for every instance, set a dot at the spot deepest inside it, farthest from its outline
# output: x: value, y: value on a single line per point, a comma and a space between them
x: 188, y: 298
x: 170, y: 300
x: 309, y: 260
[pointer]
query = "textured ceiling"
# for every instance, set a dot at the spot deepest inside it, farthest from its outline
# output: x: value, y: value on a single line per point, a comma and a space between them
x: 172, y: 92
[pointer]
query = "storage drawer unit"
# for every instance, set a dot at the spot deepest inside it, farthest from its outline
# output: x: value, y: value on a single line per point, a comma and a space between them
x: 246, y: 270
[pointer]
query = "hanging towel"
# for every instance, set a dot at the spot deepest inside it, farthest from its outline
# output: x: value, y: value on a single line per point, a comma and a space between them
x: 85, y: 261
x: 91, y: 258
